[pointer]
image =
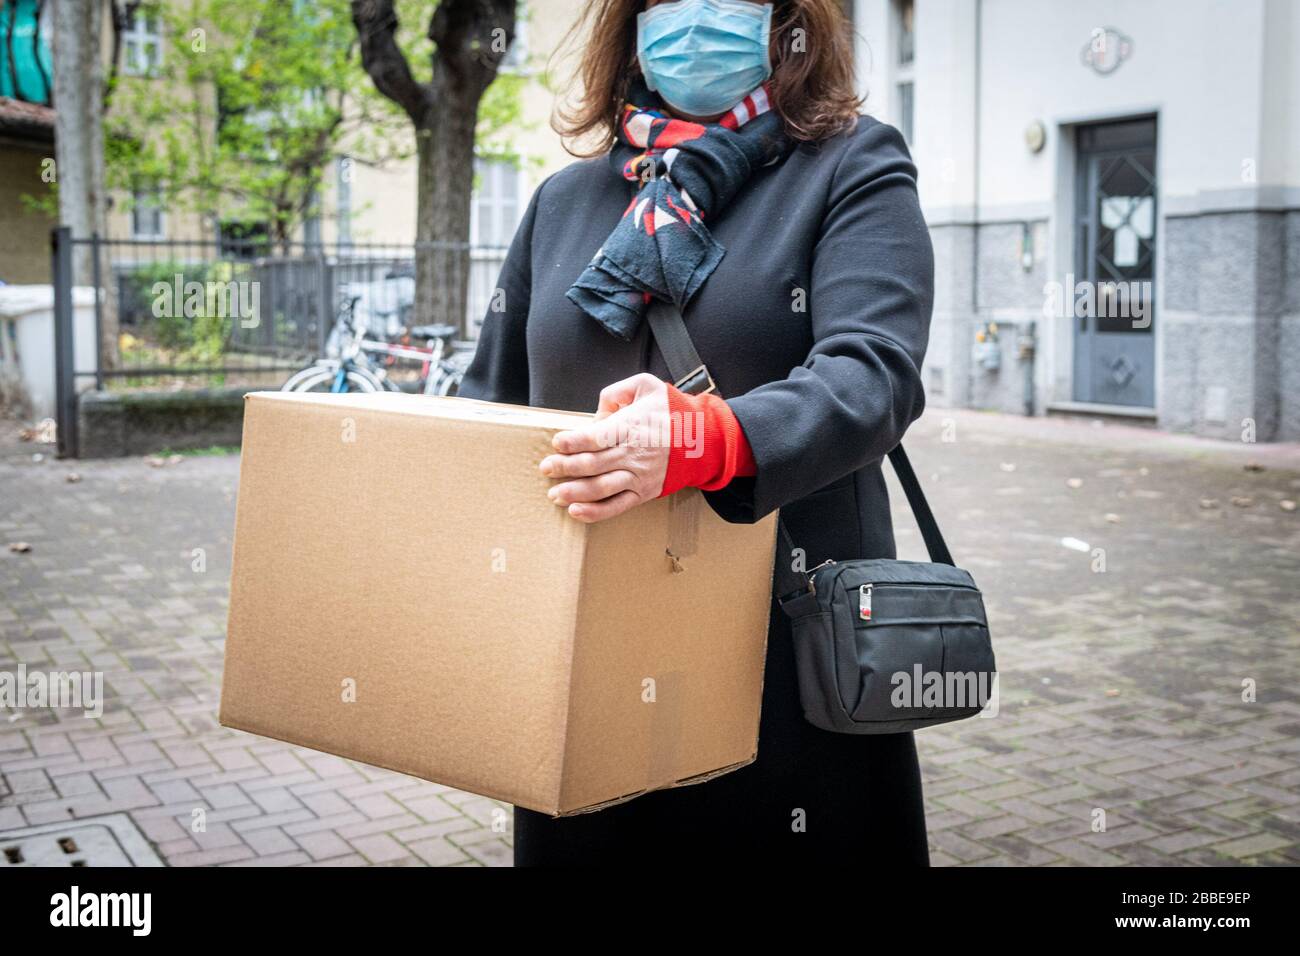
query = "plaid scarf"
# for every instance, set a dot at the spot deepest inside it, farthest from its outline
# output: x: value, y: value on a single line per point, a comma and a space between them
x: 688, y: 172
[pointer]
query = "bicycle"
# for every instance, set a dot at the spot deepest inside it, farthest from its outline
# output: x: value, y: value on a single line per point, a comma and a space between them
x: 344, y: 367
x: 355, y: 363
x: 442, y: 364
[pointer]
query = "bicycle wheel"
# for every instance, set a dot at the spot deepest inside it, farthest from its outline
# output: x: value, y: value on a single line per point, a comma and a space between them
x: 323, y: 381
x: 450, y: 383
x: 294, y: 381
x: 450, y: 373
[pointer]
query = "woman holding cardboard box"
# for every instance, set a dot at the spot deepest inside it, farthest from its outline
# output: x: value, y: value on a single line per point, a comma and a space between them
x: 734, y: 179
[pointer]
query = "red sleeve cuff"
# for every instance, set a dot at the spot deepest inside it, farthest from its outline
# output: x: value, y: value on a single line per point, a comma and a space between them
x: 708, y: 448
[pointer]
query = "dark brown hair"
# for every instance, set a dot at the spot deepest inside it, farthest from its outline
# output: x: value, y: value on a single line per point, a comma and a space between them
x: 812, y: 82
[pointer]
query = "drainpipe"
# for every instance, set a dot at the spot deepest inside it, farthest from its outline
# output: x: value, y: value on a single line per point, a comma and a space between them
x: 1028, y: 350
x: 975, y: 190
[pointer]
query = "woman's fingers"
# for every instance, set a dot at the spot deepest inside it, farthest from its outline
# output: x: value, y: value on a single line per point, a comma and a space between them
x: 624, y: 393
x: 591, y: 511
x: 582, y: 464
x: 595, y: 488
x: 594, y: 437
x: 626, y: 409
x: 618, y: 460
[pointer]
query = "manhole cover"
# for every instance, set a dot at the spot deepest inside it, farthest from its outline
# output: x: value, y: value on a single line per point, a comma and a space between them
x: 111, y: 840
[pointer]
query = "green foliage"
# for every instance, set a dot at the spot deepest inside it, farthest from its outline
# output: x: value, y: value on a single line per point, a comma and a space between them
x: 249, y: 105
x: 166, y: 335
x: 253, y: 99
x: 212, y: 451
x: 500, y: 113
x: 46, y: 204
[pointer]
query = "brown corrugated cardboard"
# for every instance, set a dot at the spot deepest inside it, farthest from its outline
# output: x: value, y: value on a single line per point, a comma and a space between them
x: 404, y: 594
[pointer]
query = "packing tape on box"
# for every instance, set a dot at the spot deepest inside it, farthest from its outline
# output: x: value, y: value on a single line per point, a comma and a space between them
x: 683, y: 526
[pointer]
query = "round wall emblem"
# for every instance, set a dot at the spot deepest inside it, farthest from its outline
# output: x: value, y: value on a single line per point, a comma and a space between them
x: 1105, y: 50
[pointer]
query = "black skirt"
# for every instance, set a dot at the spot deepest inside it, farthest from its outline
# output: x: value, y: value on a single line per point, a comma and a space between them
x: 811, y: 796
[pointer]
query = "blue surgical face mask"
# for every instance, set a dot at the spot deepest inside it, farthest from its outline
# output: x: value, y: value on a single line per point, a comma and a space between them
x: 704, y: 56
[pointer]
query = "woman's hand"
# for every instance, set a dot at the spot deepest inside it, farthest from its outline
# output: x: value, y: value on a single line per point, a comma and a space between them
x: 620, y: 459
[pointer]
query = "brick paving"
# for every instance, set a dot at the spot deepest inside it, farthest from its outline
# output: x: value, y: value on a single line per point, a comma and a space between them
x: 1122, y: 739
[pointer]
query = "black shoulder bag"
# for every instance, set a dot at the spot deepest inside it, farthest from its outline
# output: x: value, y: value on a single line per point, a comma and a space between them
x: 881, y: 646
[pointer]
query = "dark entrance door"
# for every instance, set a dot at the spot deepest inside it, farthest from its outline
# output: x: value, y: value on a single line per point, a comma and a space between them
x: 1115, y: 250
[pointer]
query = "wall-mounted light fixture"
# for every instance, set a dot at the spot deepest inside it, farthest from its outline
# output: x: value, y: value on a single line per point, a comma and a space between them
x: 1036, y: 136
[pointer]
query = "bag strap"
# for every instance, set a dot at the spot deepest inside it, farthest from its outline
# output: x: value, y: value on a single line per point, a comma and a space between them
x: 934, y: 543
x: 684, y: 363
x: 692, y: 377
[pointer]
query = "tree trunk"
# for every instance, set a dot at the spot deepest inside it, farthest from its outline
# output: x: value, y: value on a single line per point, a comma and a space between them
x: 470, y: 38
x: 446, y: 179
x: 79, y: 151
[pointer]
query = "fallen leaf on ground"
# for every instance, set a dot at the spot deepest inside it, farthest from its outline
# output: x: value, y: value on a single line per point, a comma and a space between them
x: 1074, y: 482
x: 1112, y: 518
x: 19, y: 547
x: 72, y: 477
x: 1209, y: 503
x: 154, y: 461
x: 1286, y: 504
x: 1241, y: 501
x: 1253, y: 466
x: 1112, y: 693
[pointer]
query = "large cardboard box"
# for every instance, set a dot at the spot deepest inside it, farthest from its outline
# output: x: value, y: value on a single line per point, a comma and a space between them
x: 405, y: 594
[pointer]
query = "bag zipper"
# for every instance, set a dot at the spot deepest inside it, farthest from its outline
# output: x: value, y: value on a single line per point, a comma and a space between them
x: 865, y: 590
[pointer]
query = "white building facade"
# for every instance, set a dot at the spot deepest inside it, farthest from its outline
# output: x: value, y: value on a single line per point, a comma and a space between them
x: 1113, y: 190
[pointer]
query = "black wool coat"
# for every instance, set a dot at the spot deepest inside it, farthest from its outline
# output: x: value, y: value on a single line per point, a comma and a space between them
x: 814, y: 326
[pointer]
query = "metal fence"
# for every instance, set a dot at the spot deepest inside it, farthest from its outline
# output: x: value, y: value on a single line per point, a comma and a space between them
x: 175, y: 314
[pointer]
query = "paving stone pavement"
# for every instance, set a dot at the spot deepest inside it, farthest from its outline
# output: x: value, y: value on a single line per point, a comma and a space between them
x: 1124, y: 734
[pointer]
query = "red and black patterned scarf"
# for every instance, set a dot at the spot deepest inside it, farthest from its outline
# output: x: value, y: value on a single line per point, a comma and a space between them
x: 688, y: 173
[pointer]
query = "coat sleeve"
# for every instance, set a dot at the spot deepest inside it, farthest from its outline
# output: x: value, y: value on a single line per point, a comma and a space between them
x: 499, y: 372
x: 872, y: 289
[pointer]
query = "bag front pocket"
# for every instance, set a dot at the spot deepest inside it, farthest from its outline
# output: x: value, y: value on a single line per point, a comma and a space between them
x: 892, y: 661
x: 969, y: 667
x: 922, y: 651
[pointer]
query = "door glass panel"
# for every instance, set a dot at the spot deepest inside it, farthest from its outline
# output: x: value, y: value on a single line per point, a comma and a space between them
x: 1131, y: 220
x: 1124, y: 255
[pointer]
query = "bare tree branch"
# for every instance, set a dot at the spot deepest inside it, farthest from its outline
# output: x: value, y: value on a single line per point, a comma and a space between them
x: 376, y: 23
x: 471, y: 39
x: 121, y: 16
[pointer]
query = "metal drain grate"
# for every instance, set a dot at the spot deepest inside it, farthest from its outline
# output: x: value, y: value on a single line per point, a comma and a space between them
x: 112, y: 840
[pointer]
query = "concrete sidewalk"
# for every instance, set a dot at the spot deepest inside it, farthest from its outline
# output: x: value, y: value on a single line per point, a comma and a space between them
x: 1136, y: 583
